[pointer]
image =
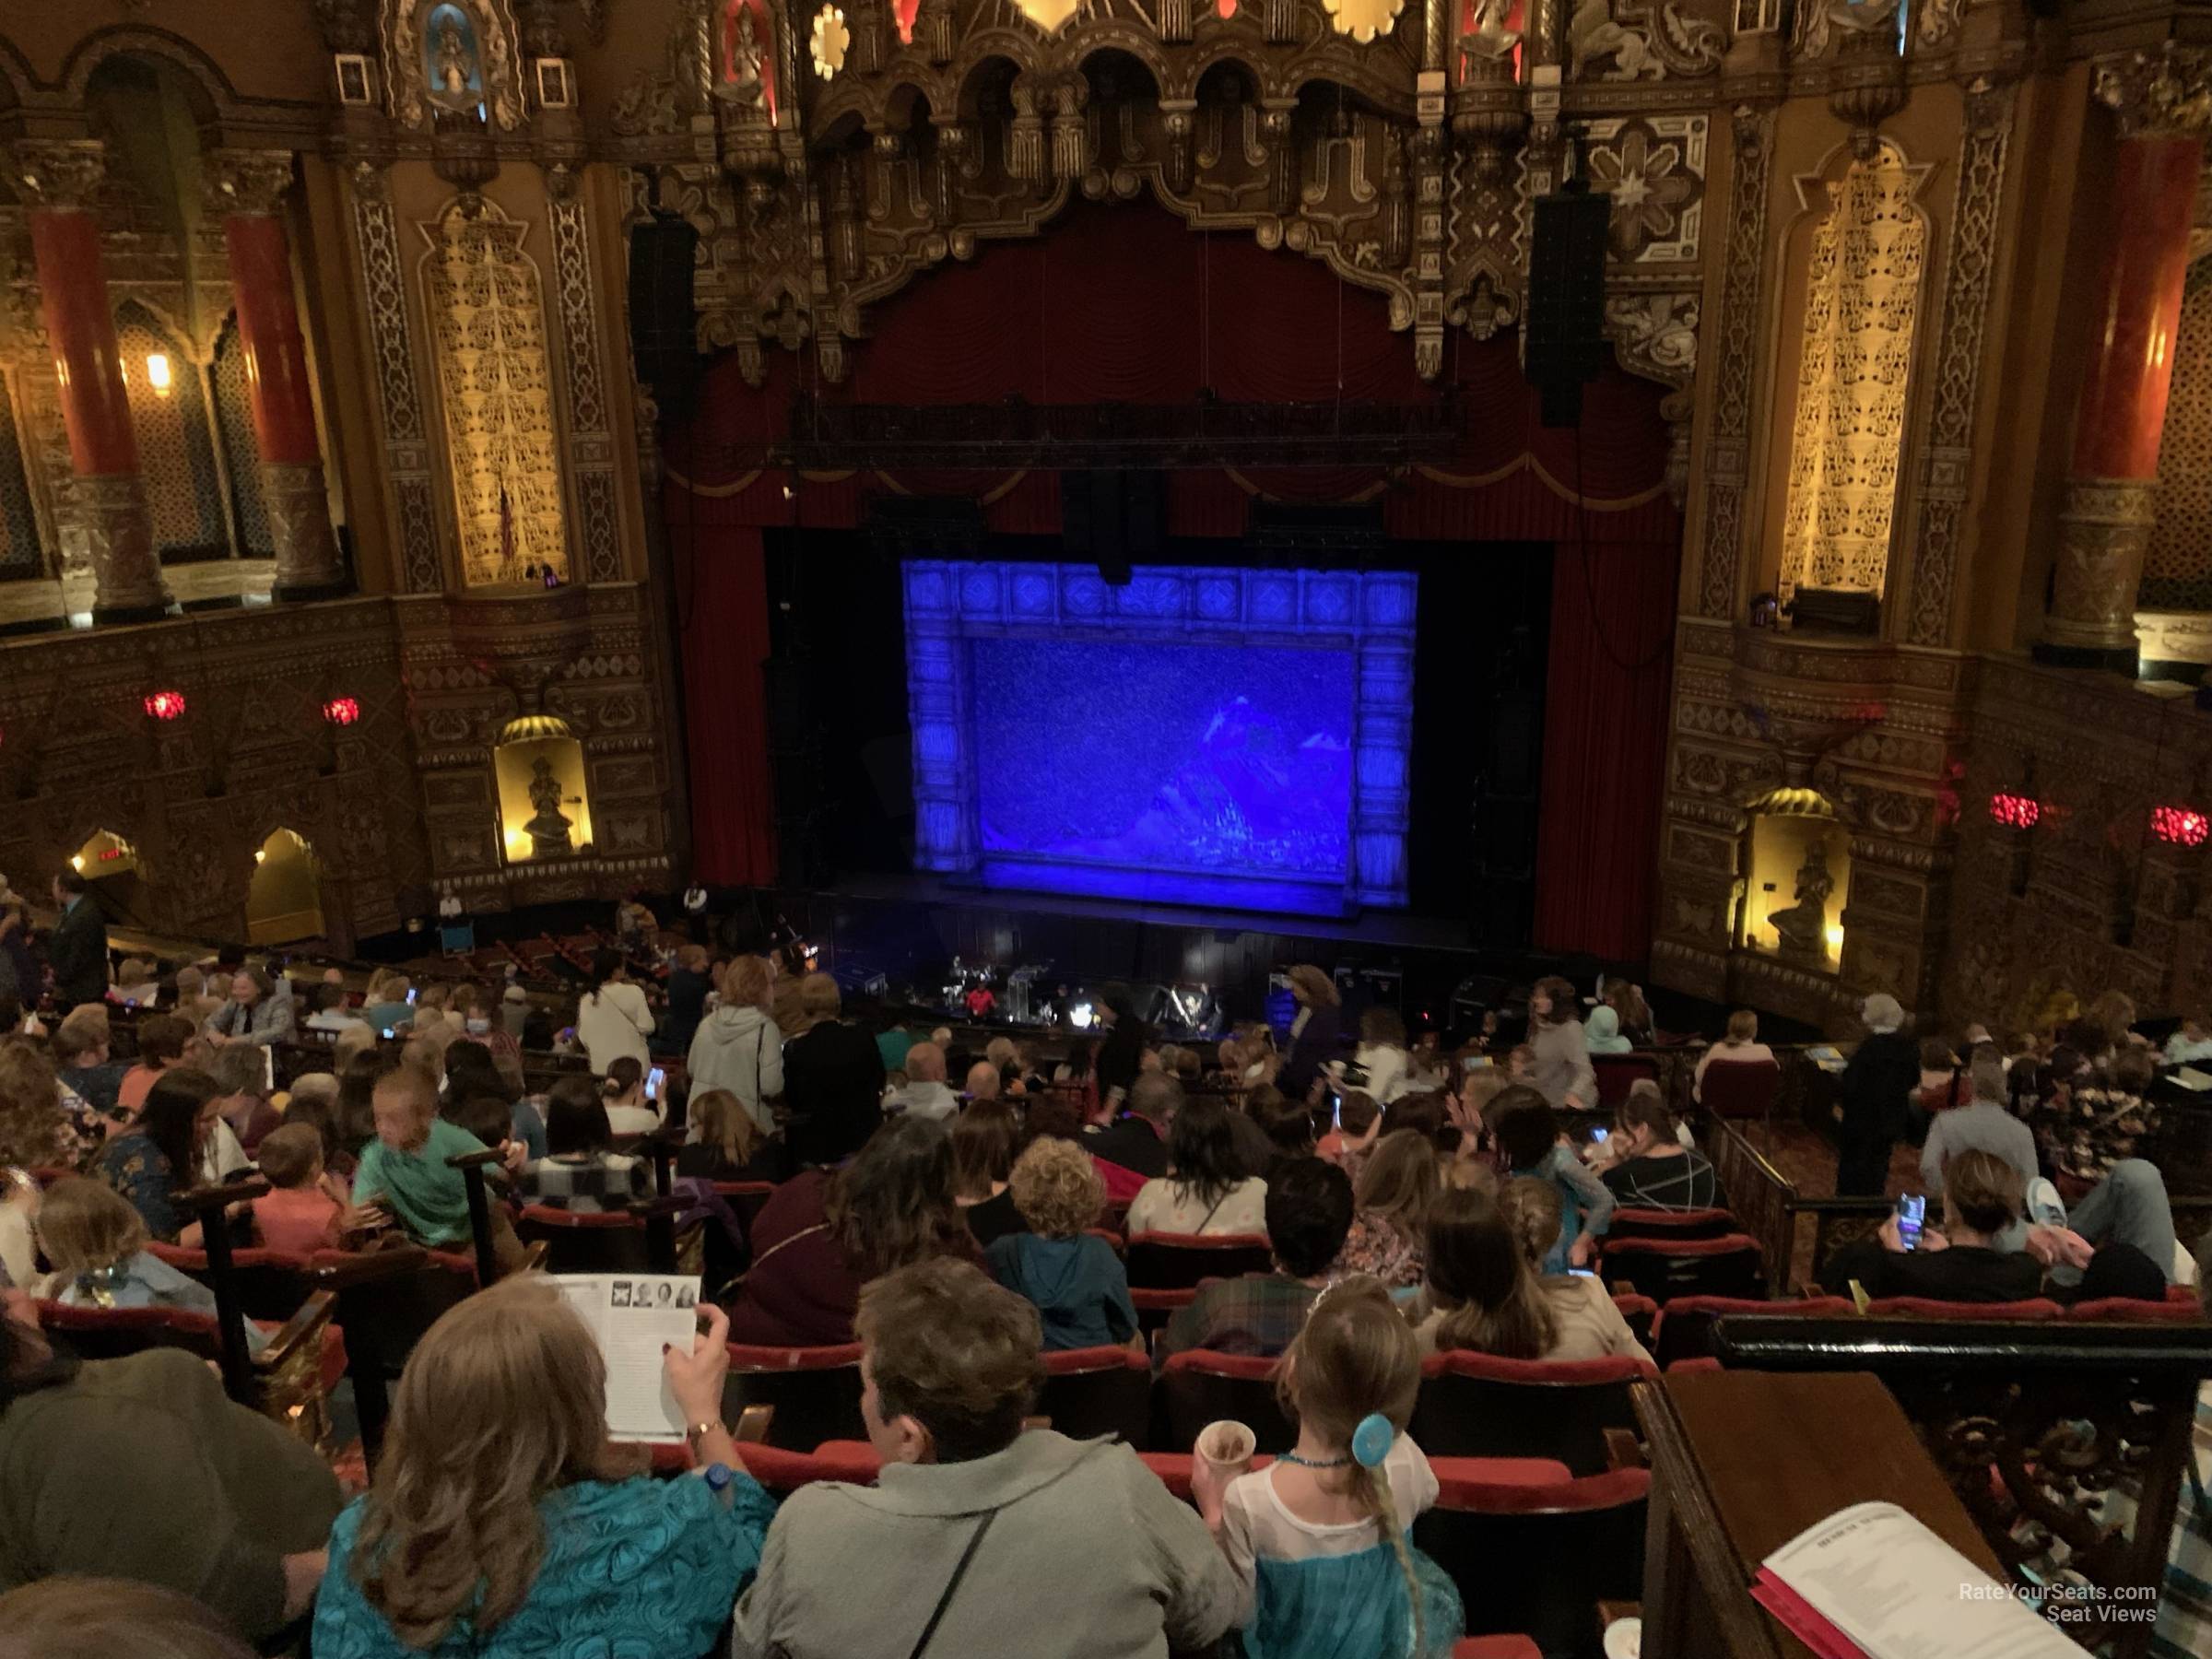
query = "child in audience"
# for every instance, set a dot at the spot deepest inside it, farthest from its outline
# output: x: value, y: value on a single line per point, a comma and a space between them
x: 1484, y: 1294
x: 95, y: 1244
x: 1529, y: 1139
x: 404, y: 1178
x: 1318, y: 1542
x: 2190, y: 1044
x: 299, y: 1215
x: 1358, y: 1121
x: 1072, y: 1277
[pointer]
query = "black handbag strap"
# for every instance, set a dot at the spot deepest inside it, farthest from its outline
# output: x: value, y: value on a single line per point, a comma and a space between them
x: 953, y: 1584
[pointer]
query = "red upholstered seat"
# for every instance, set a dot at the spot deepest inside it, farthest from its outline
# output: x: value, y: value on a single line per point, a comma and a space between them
x: 1159, y: 1261
x: 815, y: 1392
x: 1663, y: 1269
x: 1633, y: 1223
x: 1198, y: 1387
x: 1094, y: 1391
x: 1480, y: 1405
x: 1684, y: 1329
x: 1740, y: 1088
x: 1536, y: 1560
x: 1496, y: 1647
x: 1923, y: 1307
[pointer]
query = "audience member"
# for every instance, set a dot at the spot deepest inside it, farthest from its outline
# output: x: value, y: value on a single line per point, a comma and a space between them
x: 80, y: 1047
x: 1315, y: 1031
x: 2096, y: 1123
x: 827, y: 1232
x: 982, y: 1081
x: 315, y: 1102
x: 1602, y: 1032
x: 1010, y: 1532
x: 141, y: 1469
x: 630, y: 1107
x: 179, y: 1141
x: 260, y: 1013
x: 1938, y: 1087
x: 1651, y: 1169
x: 1963, y: 1260
x: 21, y: 973
x: 300, y: 1213
x: 925, y: 1094
x: 1354, y: 1127
x: 582, y: 1171
x: 352, y: 1043
x: 832, y: 1078
x: 502, y: 1524
x: 1121, y: 1053
x: 1985, y: 1124
x: 1380, y: 1058
x: 613, y: 1017
x: 333, y: 1012
x: 738, y: 1047
x: 892, y: 1045
x: 690, y: 982
x: 1070, y: 1275
x: 1133, y: 1148
x: 1319, y: 1541
x: 161, y: 1039
x: 1207, y: 1191
x: 470, y: 1004
x: 38, y: 1127
x: 729, y: 1145
x: 1309, y: 1213
x: 1631, y: 1013
x: 389, y: 1006
x: 1559, y: 1070
x: 405, y: 1179
x: 2192, y: 1042
x: 76, y: 1617
x: 77, y: 951
x: 1875, y: 1094
x: 240, y: 1071
x: 984, y: 1139
x: 1396, y: 1186
x: 1529, y: 1139
x: 1286, y: 1124
x: 1741, y: 1046
x: 1486, y: 1291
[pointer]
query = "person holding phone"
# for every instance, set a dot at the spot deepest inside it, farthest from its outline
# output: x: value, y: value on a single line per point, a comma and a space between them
x: 632, y: 1107
x: 1963, y: 1261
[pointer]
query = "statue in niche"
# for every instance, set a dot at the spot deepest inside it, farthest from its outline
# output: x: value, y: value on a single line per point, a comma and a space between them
x: 741, y: 78
x: 455, y: 81
x: 1490, y: 41
x: 1803, y: 927
x: 548, y: 827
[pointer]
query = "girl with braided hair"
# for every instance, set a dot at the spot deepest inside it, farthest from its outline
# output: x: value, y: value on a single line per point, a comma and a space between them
x: 1319, y: 1541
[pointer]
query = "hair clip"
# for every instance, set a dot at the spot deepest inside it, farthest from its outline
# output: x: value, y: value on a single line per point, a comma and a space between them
x: 1372, y: 1439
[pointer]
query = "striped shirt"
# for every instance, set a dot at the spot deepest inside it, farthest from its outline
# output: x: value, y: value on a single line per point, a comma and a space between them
x: 2185, y: 1609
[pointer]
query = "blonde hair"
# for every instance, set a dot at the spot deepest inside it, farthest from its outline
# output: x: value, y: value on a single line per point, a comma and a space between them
x: 1399, y: 1181
x: 85, y: 1027
x: 725, y: 1126
x: 31, y: 1106
x: 356, y: 1039
x: 1356, y: 1358
x: 746, y: 982
x: 84, y: 1227
x: 1534, y: 1210
x: 1056, y: 1188
x: 503, y: 1401
x: 1743, y: 1027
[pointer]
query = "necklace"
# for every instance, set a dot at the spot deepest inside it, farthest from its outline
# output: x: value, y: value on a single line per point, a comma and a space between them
x: 1314, y: 1463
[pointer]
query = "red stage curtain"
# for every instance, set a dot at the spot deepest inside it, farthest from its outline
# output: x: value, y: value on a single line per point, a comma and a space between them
x: 722, y: 596
x: 1604, y: 746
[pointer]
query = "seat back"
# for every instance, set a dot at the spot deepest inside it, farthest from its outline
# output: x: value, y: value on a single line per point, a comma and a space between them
x: 1740, y: 1088
x: 1537, y: 1559
x: 113, y: 1333
x: 1480, y: 1406
x: 747, y: 1199
x: 1094, y: 1391
x: 1684, y: 1329
x: 1180, y: 1261
x: 271, y: 1283
x: 1200, y: 1387
x: 815, y: 1392
x: 1617, y: 1074
x: 2123, y: 1309
x: 1663, y: 1269
x: 1632, y: 1223
x: 386, y: 1302
x: 1641, y: 1312
x: 607, y: 1241
x: 1926, y: 1307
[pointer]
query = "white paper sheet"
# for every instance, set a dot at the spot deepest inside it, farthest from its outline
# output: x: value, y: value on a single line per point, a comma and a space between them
x: 1882, y: 1577
x: 633, y: 1316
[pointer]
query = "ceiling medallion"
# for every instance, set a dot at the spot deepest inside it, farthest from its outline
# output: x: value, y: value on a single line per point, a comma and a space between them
x: 1363, y: 19
x: 831, y: 38
x: 1049, y: 15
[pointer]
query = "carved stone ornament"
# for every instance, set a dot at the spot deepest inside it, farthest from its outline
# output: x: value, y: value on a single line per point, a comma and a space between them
x: 1869, y: 82
x: 2102, y: 530
x: 246, y: 180
x: 496, y: 62
x: 59, y: 174
x: 1489, y: 41
x: 119, y: 535
x: 2166, y: 93
x: 1641, y: 41
x: 298, y: 512
x: 1656, y: 335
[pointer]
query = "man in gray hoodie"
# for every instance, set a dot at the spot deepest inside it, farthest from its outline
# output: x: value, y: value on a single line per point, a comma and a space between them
x: 979, y: 1539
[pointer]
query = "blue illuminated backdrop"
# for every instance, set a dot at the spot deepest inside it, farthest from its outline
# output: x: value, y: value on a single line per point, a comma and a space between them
x: 1199, y: 735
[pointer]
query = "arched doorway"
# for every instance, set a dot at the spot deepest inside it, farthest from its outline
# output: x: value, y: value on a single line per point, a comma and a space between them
x: 109, y: 866
x: 284, y: 901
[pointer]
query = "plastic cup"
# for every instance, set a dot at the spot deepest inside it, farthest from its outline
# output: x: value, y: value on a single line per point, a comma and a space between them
x: 1227, y: 1447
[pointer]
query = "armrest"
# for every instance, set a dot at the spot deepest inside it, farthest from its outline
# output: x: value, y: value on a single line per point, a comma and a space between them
x: 753, y: 1424
x: 534, y: 1262
x: 488, y: 1158
x: 201, y: 1200
x: 302, y: 1328
x: 651, y: 1209
x: 1623, y: 1450
x: 369, y: 1267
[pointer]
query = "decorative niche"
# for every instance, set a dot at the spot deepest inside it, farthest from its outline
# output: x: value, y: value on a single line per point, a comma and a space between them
x: 1798, y: 856
x: 545, y: 809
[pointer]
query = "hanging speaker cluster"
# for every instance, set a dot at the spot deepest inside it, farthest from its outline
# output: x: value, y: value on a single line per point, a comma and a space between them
x: 1565, y: 310
x: 663, y: 321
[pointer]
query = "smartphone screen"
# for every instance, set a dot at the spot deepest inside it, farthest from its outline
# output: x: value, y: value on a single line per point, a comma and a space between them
x: 1911, y: 1213
x: 653, y: 1080
x: 1599, y: 1135
x: 410, y: 996
x: 389, y: 1032
x: 1584, y: 1272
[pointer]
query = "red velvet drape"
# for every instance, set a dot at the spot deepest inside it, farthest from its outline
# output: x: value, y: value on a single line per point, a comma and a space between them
x: 1128, y: 305
x: 722, y: 597
x: 1604, y: 746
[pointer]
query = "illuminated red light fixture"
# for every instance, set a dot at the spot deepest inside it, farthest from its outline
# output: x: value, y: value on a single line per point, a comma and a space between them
x: 2015, y: 811
x: 164, y: 705
x: 2180, y: 826
x: 342, y: 711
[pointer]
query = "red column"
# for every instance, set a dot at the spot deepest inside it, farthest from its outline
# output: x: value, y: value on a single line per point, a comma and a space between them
x: 58, y: 179
x: 2112, y: 487
x: 246, y: 186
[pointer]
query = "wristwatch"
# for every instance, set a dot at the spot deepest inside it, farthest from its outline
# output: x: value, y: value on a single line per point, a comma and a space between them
x: 699, y: 1431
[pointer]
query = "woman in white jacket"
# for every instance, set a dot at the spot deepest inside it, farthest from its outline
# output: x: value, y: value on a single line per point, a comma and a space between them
x: 613, y: 1020
x: 738, y: 1047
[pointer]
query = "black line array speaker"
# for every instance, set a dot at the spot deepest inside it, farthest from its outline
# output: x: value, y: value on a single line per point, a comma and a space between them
x: 664, y: 254
x: 1565, y: 308
x: 1114, y: 516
